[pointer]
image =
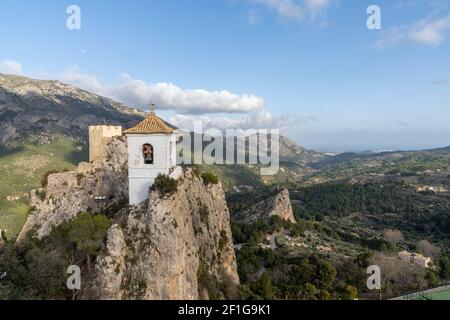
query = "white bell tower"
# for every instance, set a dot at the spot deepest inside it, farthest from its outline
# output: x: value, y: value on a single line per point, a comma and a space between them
x: 151, y: 151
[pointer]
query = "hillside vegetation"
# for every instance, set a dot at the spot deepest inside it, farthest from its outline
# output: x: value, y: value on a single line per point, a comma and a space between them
x: 341, y: 229
x: 22, y: 170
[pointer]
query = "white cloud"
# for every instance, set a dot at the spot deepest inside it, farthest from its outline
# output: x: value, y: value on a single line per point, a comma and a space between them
x: 10, y: 67
x: 171, y: 97
x: 427, y: 32
x: 255, y: 120
x: 316, y: 7
x: 285, y: 8
x: 166, y: 96
x: 296, y: 9
x: 431, y: 33
x: 75, y: 76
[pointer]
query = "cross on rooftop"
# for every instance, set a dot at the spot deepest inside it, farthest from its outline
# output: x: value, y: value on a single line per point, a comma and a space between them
x: 152, y: 107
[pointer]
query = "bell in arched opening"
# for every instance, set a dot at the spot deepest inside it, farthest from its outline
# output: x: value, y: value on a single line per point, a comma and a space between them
x: 147, y: 151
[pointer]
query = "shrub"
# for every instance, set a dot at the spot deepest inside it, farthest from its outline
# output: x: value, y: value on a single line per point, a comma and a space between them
x: 41, y: 194
x: 36, y: 270
x: 223, y: 240
x: 165, y: 185
x: 44, y: 180
x: 79, y: 177
x: 31, y: 210
x: 87, y: 232
x: 208, y: 282
x: 351, y: 293
x: 196, y: 170
x: 444, y: 268
x: 204, y: 214
x: 209, y: 178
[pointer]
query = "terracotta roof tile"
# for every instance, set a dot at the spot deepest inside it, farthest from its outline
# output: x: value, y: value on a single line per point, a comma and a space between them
x: 152, y: 124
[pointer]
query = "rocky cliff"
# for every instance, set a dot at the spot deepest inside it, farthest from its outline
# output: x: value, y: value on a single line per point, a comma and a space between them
x: 92, y: 187
x: 173, y: 246
x: 291, y: 151
x: 278, y: 205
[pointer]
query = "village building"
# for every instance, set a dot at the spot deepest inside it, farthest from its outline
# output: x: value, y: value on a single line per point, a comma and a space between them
x: 415, y: 258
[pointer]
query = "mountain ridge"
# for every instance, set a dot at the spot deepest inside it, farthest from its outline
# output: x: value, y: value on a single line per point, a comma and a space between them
x: 44, y: 108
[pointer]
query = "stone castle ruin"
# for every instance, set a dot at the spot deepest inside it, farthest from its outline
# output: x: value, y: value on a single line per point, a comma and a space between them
x: 99, y: 137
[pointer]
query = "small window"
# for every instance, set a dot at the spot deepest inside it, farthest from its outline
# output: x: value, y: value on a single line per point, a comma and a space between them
x: 147, y: 151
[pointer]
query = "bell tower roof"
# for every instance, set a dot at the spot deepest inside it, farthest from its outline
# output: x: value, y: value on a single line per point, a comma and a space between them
x: 152, y: 124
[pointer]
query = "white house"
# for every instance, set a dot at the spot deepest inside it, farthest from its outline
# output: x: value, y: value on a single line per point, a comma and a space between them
x: 151, y: 151
x: 415, y: 258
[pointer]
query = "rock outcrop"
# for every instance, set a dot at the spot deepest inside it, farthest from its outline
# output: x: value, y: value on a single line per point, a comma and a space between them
x: 92, y: 187
x: 278, y: 205
x: 171, y: 247
x: 291, y: 151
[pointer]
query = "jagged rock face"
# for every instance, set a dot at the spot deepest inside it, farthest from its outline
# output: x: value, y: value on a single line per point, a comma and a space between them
x: 110, y: 267
x: 70, y: 193
x: 167, y: 247
x: 278, y: 205
x: 43, y: 108
x: 289, y: 150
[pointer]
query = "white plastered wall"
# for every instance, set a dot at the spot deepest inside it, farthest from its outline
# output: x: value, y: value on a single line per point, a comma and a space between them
x: 141, y: 176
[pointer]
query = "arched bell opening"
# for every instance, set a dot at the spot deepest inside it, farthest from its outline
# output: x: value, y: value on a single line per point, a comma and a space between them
x: 147, y: 152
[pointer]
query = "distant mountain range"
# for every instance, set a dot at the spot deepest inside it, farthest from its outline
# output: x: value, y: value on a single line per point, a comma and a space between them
x: 347, y: 158
x: 40, y: 108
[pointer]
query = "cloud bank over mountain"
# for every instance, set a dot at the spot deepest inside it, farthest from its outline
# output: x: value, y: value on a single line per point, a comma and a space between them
x: 220, y: 109
x: 167, y: 96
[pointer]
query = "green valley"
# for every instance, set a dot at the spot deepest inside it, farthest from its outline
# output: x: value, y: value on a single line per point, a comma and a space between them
x: 22, y: 169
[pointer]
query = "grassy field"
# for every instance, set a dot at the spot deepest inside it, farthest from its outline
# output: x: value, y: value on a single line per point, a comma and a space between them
x: 21, y: 170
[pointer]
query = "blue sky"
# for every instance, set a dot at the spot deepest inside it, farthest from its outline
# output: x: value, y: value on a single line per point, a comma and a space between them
x: 309, y: 67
